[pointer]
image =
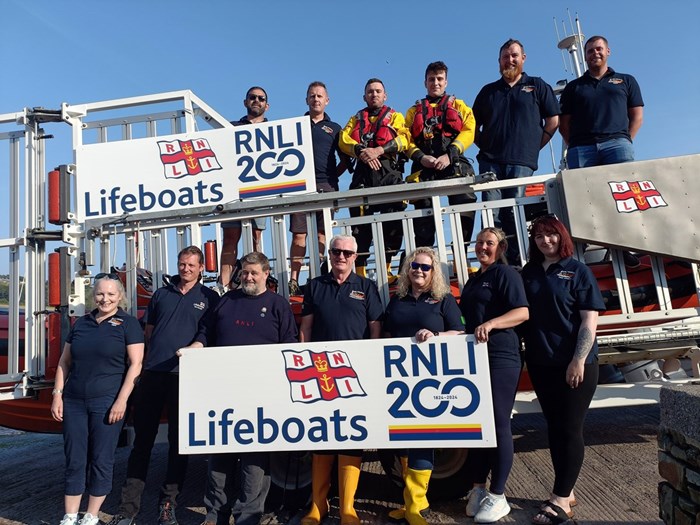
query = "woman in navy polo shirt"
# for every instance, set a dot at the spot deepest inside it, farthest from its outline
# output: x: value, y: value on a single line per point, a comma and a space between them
x: 561, y: 353
x: 422, y: 307
x: 96, y: 373
x: 493, y: 303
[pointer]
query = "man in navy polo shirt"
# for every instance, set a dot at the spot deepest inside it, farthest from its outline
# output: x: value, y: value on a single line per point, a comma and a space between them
x: 324, y: 136
x: 338, y: 306
x: 256, y: 104
x: 601, y: 112
x: 516, y: 117
x: 172, y: 322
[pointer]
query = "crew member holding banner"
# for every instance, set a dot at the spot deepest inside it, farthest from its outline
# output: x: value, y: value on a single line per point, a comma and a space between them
x: 422, y: 299
x: 256, y: 104
x: 339, y: 306
x: 493, y: 302
x: 250, y: 315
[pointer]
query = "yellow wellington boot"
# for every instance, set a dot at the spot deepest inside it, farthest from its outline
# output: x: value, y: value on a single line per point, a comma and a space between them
x: 361, y: 271
x: 398, y: 514
x: 348, y: 478
x: 321, y: 467
x: 415, y: 495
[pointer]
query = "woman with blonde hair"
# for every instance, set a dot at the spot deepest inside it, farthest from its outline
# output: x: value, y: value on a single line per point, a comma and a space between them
x: 422, y: 307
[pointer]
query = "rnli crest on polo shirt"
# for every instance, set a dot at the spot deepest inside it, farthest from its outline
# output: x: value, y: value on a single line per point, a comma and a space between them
x: 320, y: 376
x: 631, y: 196
x: 182, y: 158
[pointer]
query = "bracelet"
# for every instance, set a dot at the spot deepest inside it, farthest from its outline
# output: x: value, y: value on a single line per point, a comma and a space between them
x: 56, y: 391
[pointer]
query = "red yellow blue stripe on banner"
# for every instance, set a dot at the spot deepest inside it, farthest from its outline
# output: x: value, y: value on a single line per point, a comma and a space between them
x: 434, y: 432
x: 272, y: 189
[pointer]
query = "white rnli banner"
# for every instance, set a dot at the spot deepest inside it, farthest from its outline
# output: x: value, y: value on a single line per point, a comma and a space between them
x: 177, y: 172
x: 381, y: 393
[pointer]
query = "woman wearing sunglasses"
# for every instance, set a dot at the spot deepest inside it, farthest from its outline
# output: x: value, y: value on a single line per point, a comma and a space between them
x: 493, y: 303
x: 561, y: 353
x: 90, y: 395
x: 422, y: 307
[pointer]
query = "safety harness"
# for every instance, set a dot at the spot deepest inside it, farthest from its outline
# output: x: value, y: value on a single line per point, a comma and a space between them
x: 372, y: 134
x: 442, y: 120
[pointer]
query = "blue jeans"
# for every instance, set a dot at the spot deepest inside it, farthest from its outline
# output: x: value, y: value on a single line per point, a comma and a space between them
x: 505, y: 218
x: 613, y: 151
x: 89, y: 442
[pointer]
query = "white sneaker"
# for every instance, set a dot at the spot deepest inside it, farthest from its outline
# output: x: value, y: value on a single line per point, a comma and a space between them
x: 474, y: 503
x: 89, y: 519
x: 69, y: 519
x: 493, y: 508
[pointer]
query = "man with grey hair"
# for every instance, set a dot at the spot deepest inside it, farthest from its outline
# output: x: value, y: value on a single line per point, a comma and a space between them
x: 249, y: 315
x: 338, y: 306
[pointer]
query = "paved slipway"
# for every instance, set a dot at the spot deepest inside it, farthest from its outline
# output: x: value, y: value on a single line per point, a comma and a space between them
x: 618, y: 483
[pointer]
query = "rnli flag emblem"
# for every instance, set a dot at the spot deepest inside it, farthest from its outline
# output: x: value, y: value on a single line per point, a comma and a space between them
x: 631, y: 196
x: 182, y: 158
x: 320, y: 376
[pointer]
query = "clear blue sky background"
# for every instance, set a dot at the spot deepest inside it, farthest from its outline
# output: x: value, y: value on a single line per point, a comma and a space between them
x: 56, y: 51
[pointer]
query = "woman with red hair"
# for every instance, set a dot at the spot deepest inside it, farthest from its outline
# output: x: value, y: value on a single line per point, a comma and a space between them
x: 561, y: 353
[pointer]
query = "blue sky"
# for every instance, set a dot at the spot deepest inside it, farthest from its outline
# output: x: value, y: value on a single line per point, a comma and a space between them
x: 79, y: 51
x: 56, y: 51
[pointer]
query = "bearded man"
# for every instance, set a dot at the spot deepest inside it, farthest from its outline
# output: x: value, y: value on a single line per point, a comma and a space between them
x: 516, y: 116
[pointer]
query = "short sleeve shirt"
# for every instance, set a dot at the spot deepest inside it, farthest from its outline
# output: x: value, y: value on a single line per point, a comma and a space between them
x: 490, y: 294
x: 556, y: 297
x: 512, y: 118
x: 406, y: 315
x: 341, y: 311
x: 98, y: 354
x: 175, y: 318
x: 599, y: 107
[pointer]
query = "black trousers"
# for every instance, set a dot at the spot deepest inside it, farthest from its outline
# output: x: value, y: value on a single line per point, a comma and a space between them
x: 154, y: 391
x: 565, y: 410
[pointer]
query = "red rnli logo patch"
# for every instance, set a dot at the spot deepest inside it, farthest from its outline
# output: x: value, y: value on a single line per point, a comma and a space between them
x: 636, y: 196
x: 181, y: 158
x: 321, y: 376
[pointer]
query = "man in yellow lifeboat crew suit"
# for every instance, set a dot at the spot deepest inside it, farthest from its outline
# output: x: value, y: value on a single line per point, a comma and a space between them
x: 375, y: 136
x: 441, y: 127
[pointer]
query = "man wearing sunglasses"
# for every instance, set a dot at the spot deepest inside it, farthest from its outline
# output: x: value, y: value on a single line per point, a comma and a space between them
x: 340, y: 305
x: 256, y: 104
x: 516, y: 117
x: 172, y: 321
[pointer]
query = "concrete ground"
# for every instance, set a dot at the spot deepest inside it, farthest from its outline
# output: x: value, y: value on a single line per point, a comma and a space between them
x: 618, y: 483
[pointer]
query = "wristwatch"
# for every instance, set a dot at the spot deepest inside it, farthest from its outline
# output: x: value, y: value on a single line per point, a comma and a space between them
x: 56, y: 391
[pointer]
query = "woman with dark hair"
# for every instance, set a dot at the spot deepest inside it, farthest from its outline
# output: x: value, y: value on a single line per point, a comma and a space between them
x: 561, y: 353
x: 493, y: 303
x: 423, y: 307
x: 96, y: 373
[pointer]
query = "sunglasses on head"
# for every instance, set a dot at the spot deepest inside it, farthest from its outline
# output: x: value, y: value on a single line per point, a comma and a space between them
x: 103, y: 275
x: 338, y: 251
x: 423, y: 267
x: 253, y: 98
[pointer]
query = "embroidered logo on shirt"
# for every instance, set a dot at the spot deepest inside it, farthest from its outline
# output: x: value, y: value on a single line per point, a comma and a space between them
x: 356, y: 294
x: 527, y: 89
x: 200, y: 306
x: 115, y: 321
x: 486, y: 284
x: 615, y: 81
x: 327, y: 129
x: 431, y: 300
x: 566, y: 275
